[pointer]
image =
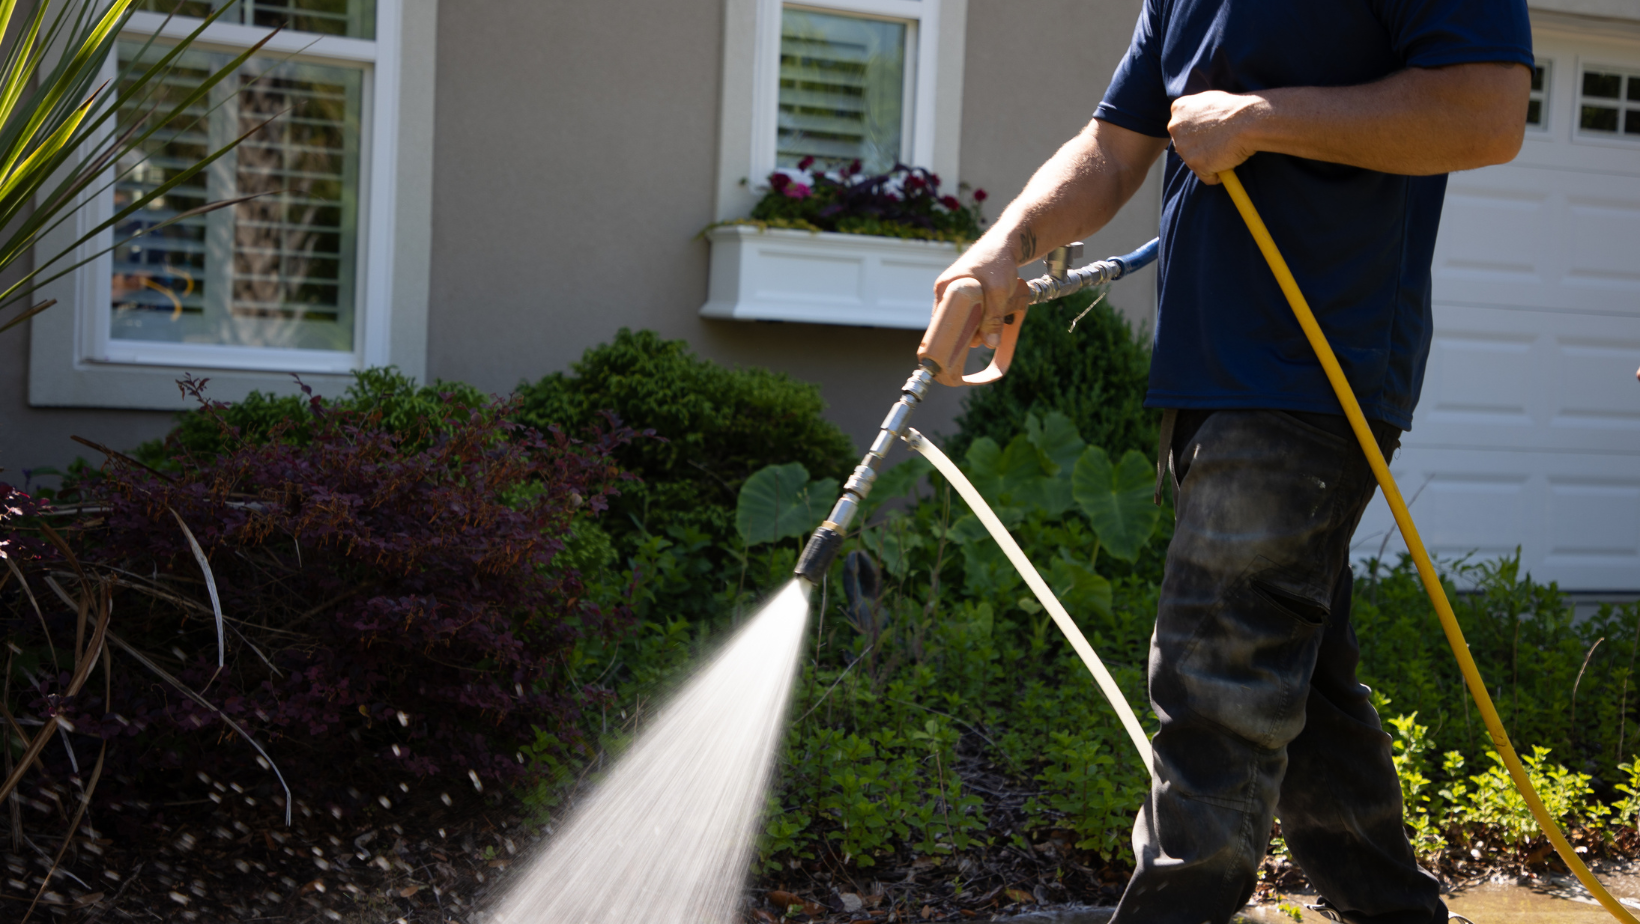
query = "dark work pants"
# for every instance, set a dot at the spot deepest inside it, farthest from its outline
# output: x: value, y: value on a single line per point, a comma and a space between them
x: 1252, y: 674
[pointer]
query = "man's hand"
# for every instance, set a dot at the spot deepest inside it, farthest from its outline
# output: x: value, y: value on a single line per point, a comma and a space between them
x: 1070, y: 197
x: 998, y: 276
x: 1210, y: 131
x: 1415, y: 122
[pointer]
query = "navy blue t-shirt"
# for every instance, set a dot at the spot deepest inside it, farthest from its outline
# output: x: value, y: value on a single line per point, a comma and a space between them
x: 1359, y: 241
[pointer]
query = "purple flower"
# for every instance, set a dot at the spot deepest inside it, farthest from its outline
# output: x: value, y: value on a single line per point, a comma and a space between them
x: 795, y: 191
x: 778, y: 181
x: 951, y: 203
x: 981, y: 195
x: 806, y: 163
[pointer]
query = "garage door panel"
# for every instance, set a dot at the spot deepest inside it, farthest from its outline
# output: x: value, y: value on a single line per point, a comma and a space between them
x: 1593, y: 521
x: 1601, y: 253
x: 1575, y: 516
x: 1531, y: 237
x: 1501, y: 378
x: 1595, y: 386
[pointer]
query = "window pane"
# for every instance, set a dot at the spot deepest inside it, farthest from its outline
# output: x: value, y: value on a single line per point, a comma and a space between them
x: 842, y: 89
x: 1634, y: 88
x: 1599, y: 118
x: 1631, y: 122
x: 1534, y: 112
x: 352, y: 18
x: 1605, y: 86
x: 277, y: 271
x: 1537, y: 77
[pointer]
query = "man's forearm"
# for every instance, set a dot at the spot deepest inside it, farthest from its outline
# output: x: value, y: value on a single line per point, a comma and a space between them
x: 1075, y: 193
x: 1417, y: 121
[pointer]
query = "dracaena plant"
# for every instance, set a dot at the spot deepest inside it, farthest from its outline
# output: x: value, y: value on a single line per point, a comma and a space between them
x: 61, y: 129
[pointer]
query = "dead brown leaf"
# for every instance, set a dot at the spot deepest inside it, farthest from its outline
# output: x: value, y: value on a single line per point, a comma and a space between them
x: 409, y: 890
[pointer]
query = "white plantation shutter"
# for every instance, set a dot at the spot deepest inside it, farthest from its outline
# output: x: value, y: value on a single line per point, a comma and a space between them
x: 843, y: 89
x: 276, y: 271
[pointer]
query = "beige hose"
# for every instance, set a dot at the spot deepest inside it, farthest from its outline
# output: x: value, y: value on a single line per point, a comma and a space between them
x: 1044, y: 595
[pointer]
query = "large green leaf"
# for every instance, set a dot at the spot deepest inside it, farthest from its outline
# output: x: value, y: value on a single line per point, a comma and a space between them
x: 780, y: 502
x: 1055, y: 437
x: 898, y: 481
x: 1078, y: 586
x: 1117, y: 499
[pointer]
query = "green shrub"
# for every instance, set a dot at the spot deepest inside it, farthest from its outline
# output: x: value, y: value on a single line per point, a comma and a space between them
x: 387, y: 397
x: 1096, y: 375
x: 717, y: 426
x: 1529, y: 650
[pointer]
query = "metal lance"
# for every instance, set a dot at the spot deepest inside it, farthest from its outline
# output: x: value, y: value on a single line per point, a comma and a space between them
x: 1060, y: 281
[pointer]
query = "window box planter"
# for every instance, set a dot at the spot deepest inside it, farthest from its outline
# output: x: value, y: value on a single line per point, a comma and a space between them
x: 823, y: 278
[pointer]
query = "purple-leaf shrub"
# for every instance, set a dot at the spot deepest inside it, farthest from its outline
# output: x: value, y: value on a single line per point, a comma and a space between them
x: 391, y: 598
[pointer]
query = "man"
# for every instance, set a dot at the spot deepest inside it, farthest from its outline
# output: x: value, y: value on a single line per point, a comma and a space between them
x: 1341, y: 119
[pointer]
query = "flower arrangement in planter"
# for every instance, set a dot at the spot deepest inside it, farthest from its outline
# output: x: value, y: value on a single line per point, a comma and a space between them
x: 905, y: 202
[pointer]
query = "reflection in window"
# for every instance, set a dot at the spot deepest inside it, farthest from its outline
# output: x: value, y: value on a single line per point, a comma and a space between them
x: 1610, y: 102
x: 275, y: 271
x: 352, y: 18
x: 843, y: 86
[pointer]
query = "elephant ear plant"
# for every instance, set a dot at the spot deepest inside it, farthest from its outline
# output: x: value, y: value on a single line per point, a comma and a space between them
x: 60, y: 130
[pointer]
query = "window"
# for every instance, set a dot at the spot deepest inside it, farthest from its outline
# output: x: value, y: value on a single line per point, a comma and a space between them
x: 278, y: 271
x: 844, y: 92
x: 322, y: 273
x: 1609, y: 102
x: 1537, y: 114
x: 841, y: 80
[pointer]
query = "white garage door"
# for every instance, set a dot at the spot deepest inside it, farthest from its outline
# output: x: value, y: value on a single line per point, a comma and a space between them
x: 1528, y: 432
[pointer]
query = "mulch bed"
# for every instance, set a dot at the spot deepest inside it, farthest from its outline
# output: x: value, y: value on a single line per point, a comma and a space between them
x: 218, y: 850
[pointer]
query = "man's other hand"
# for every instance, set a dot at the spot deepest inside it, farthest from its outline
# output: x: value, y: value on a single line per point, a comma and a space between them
x: 1210, y: 131
x: 1416, y: 122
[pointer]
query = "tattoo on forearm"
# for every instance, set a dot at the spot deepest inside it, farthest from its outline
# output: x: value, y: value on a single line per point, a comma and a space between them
x: 1027, y: 245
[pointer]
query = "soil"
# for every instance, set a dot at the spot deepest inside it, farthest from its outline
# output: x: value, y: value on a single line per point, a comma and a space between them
x: 216, y: 850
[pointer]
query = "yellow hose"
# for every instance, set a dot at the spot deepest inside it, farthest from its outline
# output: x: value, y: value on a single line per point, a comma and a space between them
x: 1415, y: 545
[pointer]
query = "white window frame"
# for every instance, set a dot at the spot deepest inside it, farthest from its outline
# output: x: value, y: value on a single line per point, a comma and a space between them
x: 75, y: 362
x: 1541, y: 97
x: 1623, y: 104
x: 921, y: 72
x: 749, y: 117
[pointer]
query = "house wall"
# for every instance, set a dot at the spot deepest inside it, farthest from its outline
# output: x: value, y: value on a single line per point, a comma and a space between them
x: 574, y: 164
x: 574, y: 161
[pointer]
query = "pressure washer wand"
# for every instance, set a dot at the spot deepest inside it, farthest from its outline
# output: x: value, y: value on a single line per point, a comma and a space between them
x: 941, y: 356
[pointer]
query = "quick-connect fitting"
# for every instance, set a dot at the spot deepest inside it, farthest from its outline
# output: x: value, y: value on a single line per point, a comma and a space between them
x: 824, y: 544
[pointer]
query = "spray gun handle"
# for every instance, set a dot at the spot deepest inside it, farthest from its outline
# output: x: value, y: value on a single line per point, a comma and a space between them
x: 957, y: 317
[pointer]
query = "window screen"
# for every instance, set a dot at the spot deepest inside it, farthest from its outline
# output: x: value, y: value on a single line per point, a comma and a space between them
x: 276, y: 271
x: 843, y: 85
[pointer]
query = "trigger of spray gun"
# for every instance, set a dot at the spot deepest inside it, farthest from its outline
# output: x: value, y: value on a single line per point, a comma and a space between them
x: 823, y: 546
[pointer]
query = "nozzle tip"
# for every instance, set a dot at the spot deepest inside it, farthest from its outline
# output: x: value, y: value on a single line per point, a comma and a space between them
x: 818, y: 555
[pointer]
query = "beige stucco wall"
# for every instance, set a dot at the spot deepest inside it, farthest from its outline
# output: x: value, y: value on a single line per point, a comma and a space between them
x: 574, y: 163
x: 575, y: 150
